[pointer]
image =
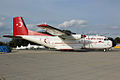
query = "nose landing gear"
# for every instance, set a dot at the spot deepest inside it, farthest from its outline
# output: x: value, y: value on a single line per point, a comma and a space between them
x: 107, y: 49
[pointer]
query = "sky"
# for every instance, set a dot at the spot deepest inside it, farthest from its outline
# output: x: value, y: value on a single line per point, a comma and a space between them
x: 80, y: 16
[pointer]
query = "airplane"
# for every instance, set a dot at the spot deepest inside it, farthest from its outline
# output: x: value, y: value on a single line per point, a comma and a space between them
x: 59, y: 39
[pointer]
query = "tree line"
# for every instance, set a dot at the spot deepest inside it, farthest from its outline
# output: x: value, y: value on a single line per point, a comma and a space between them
x: 17, y: 42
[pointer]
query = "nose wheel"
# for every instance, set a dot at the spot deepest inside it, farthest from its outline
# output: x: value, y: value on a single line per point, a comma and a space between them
x: 107, y: 49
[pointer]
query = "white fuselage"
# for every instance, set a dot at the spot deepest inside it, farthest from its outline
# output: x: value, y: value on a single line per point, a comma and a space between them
x: 91, y: 42
x: 96, y: 42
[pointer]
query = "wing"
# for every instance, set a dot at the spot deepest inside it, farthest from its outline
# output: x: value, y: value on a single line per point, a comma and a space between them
x: 54, y: 31
x: 61, y: 33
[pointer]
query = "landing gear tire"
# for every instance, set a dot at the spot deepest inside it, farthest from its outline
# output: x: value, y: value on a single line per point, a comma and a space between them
x: 105, y: 50
x: 110, y: 49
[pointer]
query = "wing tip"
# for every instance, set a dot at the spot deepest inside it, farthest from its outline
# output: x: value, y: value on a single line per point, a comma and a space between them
x: 42, y: 25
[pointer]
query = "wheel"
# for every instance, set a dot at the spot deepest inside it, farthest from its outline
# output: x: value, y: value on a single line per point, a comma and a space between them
x: 105, y: 50
x: 110, y: 49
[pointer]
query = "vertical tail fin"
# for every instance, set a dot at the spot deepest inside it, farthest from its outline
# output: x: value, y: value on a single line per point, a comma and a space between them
x: 19, y: 27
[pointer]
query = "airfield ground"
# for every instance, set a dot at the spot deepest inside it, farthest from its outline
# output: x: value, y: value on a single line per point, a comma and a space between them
x: 60, y: 65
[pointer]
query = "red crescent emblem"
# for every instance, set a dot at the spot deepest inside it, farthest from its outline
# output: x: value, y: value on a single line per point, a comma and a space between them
x: 45, y: 40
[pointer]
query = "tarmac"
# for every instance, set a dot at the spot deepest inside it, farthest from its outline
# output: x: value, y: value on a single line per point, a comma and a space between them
x: 60, y: 65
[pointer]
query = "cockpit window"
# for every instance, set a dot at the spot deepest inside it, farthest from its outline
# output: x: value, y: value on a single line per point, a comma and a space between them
x: 106, y: 39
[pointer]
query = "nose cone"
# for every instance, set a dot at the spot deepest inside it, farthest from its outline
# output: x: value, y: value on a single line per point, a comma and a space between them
x: 110, y: 44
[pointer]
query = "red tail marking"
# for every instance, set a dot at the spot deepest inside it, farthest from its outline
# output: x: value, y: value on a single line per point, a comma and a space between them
x: 19, y: 27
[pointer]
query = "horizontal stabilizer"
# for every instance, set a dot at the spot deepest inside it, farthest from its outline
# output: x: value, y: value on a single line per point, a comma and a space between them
x: 10, y: 36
